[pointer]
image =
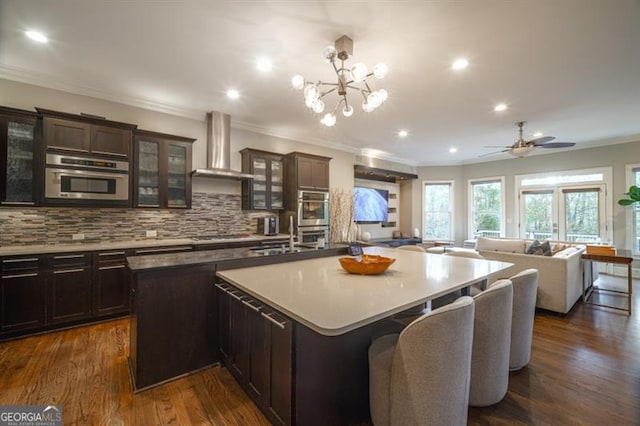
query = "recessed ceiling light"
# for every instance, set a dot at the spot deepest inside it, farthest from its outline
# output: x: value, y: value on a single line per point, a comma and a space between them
x: 403, y: 133
x: 36, y: 36
x: 264, y: 65
x: 233, y: 94
x: 460, y: 64
x: 453, y: 150
x: 537, y: 134
x: 500, y: 107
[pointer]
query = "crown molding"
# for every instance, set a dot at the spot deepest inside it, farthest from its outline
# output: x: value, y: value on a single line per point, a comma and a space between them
x: 40, y: 79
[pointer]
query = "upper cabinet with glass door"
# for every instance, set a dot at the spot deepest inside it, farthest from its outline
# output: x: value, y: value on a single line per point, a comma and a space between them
x: 265, y: 191
x: 162, y: 176
x: 19, y: 157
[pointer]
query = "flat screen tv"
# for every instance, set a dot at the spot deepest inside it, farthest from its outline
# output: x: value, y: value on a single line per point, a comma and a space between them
x: 370, y: 205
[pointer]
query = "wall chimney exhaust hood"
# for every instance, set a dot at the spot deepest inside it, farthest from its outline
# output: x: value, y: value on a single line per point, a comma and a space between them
x: 219, y: 149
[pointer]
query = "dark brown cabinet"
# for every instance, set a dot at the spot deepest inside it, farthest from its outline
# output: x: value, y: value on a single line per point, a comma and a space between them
x: 256, y: 344
x: 162, y: 176
x: 86, y: 134
x: 69, y: 288
x: 111, y: 284
x: 266, y: 190
x: 173, y: 323
x: 20, y: 158
x: 22, y: 293
x: 307, y: 171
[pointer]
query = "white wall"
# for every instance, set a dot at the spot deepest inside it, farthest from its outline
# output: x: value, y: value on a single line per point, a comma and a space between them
x: 25, y: 96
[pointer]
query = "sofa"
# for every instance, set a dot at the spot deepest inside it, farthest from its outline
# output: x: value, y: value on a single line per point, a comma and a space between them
x: 559, y: 272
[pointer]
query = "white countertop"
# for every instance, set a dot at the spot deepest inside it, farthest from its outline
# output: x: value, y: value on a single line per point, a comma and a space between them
x: 321, y: 295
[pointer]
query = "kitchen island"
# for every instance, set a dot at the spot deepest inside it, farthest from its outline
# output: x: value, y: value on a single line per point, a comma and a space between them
x: 174, y: 316
x: 300, y: 332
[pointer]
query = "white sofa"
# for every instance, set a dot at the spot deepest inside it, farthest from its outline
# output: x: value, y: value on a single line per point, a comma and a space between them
x: 559, y: 275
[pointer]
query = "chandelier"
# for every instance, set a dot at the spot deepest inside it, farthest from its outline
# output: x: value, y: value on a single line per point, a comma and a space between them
x: 354, y: 79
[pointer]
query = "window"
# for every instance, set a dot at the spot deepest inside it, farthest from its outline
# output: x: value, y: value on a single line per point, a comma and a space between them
x: 486, y: 201
x: 566, y: 205
x: 438, y: 211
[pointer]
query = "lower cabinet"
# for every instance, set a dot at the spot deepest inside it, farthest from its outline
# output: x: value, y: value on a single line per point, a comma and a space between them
x: 110, y: 284
x: 23, y: 286
x: 69, y: 288
x: 256, y: 345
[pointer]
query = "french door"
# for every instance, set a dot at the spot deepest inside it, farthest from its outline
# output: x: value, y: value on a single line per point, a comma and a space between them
x: 566, y: 213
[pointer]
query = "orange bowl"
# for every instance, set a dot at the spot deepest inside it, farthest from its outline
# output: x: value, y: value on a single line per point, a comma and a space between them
x: 370, y: 264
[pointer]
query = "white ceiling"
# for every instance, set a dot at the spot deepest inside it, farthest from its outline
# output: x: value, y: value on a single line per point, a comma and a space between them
x: 571, y: 68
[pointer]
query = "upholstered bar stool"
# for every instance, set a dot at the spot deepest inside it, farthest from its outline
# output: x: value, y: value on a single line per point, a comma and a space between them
x: 525, y: 289
x: 421, y: 376
x: 491, y: 344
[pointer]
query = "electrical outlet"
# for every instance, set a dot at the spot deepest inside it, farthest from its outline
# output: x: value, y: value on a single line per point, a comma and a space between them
x: 152, y: 233
x: 77, y: 237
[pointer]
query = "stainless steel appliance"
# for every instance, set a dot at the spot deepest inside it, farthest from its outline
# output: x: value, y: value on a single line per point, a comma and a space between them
x: 268, y: 225
x: 313, y: 234
x: 86, y: 178
x: 313, y: 208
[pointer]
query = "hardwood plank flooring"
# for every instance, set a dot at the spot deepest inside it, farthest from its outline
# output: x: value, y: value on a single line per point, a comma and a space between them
x: 584, y: 370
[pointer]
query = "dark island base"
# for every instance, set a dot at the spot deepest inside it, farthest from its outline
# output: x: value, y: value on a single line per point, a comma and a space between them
x: 332, y: 376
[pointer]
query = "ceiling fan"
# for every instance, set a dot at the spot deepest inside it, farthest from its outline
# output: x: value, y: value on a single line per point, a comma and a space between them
x: 522, y: 147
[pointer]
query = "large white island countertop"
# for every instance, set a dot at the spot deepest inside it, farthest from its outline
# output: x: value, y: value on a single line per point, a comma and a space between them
x: 324, y: 297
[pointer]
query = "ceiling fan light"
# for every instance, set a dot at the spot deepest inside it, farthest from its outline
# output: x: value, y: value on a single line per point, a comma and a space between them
x: 380, y: 70
x: 521, y: 151
x: 359, y: 72
x: 297, y: 82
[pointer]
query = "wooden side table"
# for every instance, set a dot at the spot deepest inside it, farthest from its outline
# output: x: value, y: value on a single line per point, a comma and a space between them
x: 622, y: 257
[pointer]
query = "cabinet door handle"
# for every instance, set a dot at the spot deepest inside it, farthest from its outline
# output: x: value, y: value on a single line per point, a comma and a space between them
x: 235, y: 296
x: 102, y: 268
x: 248, y: 303
x: 20, y: 275
x: 109, y: 153
x: 282, y: 325
x: 70, y: 256
x: 28, y: 259
x: 162, y: 250
x: 113, y: 253
x: 69, y: 271
x: 222, y: 288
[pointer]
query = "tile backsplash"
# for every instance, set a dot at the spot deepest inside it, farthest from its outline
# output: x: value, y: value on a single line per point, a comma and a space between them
x: 210, y: 214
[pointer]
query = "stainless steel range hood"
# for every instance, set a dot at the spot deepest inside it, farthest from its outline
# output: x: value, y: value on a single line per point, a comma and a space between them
x: 219, y: 149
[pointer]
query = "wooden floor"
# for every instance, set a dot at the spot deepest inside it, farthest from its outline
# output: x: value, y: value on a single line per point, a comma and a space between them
x: 584, y: 370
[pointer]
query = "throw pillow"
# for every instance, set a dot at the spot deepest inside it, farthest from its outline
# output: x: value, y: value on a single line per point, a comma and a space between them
x: 533, y: 247
x: 546, y: 248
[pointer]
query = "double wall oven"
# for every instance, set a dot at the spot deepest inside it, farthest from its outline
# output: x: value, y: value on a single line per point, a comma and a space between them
x: 105, y: 181
x: 313, y: 216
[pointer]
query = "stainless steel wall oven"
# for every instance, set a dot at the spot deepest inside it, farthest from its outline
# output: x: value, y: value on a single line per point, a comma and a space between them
x: 86, y: 178
x: 313, y: 208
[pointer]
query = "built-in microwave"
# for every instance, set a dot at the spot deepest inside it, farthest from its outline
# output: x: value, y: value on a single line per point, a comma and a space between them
x: 313, y: 208
x: 86, y: 178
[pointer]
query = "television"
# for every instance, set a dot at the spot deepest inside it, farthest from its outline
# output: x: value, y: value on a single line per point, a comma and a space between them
x: 371, y: 205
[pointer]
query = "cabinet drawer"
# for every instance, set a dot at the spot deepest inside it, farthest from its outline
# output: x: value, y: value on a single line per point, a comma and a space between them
x: 21, y: 265
x: 111, y: 257
x: 162, y: 250
x: 65, y: 260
